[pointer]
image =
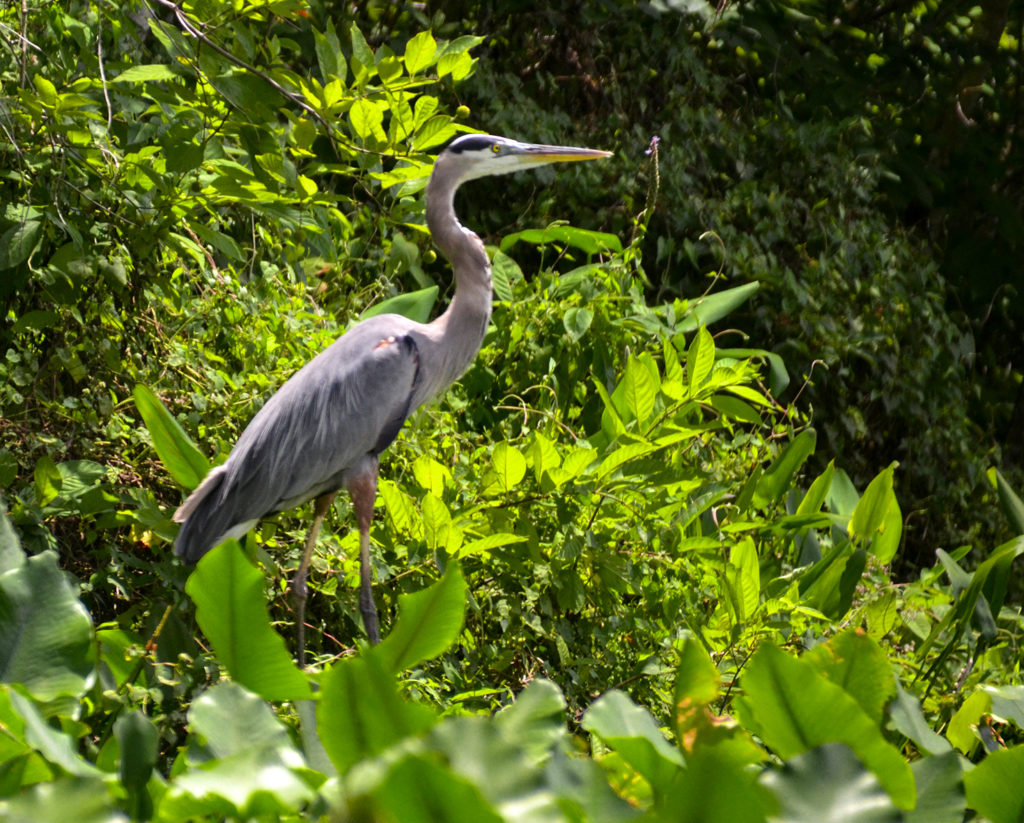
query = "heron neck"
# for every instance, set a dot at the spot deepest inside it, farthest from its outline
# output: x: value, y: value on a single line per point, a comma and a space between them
x: 463, y: 324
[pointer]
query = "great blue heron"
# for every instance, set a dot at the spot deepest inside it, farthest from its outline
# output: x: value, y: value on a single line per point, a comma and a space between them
x: 325, y: 428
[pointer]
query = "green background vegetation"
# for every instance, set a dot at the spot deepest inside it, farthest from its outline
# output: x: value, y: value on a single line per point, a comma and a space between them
x: 722, y: 518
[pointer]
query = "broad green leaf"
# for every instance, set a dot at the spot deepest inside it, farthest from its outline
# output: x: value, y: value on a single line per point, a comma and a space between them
x: 415, y: 305
x: 231, y: 609
x: 329, y: 55
x: 367, y: 120
x: 18, y: 243
x: 994, y: 786
x: 778, y: 478
x: 509, y: 466
x: 81, y: 799
x: 828, y: 784
x: 399, y: 507
x: 247, y: 765
x: 138, y: 740
x: 576, y: 321
x: 589, y: 242
x: 940, y: 789
x: 1013, y: 506
x: 631, y: 731
x: 793, y: 709
x: 818, y: 492
x: 704, y: 311
x: 48, y: 480
x: 146, y: 73
x: 360, y: 712
x: 11, y: 554
x: 420, y: 52
x: 871, y: 520
x: 438, y: 530
x: 431, y: 475
x: 45, y: 631
x: 640, y: 390
x: 700, y: 359
x: 535, y: 722
x: 743, y: 577
x: 505, y: 274
x: 488, y: 543
x: 176, y: 451
x: 960, y: 730
x: 418, y: 789
x: 428, y: 622
x: 1008, y: 703
x: 714, y: 789
x: 52, y: 743
x: 459, y: 66
x: 907, y: 718
x: 363, y: 63
x: 858, y: 664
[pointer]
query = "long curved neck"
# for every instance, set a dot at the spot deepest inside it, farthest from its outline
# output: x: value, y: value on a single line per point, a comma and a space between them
x: 460, y: 329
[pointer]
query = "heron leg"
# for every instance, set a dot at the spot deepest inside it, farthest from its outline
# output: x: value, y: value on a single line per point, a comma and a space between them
x: 299, y: 589
x: 363, y: 489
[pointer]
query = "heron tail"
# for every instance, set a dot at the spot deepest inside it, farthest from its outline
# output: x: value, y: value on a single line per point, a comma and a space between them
x: 205, y: 521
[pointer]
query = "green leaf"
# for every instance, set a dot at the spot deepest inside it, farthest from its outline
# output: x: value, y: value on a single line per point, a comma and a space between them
x: 872, y: 519
x: 961, y: 731
x: 631, y: 731
x: 364, y: 65
x: 828, y: 784
x: 589, y: 242
x: 743, y: 579
x: 367, y: 120
x: 418, y: 789
x: 576, y: 321
x: 509, y: 466
x: 428, y: 622
x: 431, y: 475
x: 488, y: 543
x: 438, y: 530
x: 138, y: 741
x: 505, y: 274
x: 329, y: 55
x: 416, y: 305
x: 818, y: 492
x: 11, y: 554
x: 231, y: 609
x: 793, y: 709
x: 175, y: 449
x: 247, y: 766
x: 45, y: 632
x: 640, y: 388
x: 18, y: 243
x: 940, y: 789
x: 53, y: 744
x: 48, y: 480
x: 360, y: 713
x: 703, y: 311
x: 81, y: 799
x: 714, y: 789
x: 700, y: 359
x: 994, y: 786
x: 854, y: 661
x: 146, y: 73
x: 1012, y: 505
x: 907, y: 718
x: 419, y: 52
x: 535, y: 722
x: 778, y: 478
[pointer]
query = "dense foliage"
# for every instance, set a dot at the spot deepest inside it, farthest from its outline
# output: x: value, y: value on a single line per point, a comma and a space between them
x: 628, y: 567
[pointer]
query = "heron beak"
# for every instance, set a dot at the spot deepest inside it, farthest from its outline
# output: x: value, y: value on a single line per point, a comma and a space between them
x: 537, y: 154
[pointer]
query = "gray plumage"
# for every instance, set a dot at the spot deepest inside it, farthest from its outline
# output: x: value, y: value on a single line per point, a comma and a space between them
x: 325, y: 427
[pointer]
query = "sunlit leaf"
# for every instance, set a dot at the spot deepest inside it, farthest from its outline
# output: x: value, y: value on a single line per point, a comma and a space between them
x: 176, y: 450
x: 231, y: 608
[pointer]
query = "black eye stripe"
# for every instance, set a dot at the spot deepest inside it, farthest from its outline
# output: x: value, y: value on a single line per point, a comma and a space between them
x: 470, y: 143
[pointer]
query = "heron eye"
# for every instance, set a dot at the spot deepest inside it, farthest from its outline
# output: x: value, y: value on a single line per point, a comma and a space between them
x: 496, y: 148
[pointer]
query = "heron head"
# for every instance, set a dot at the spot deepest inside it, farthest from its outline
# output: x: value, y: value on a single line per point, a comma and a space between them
x: 483, y: 155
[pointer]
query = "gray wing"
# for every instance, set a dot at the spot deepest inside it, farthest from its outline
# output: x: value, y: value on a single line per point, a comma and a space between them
x: 348, y: 402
